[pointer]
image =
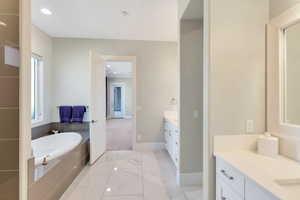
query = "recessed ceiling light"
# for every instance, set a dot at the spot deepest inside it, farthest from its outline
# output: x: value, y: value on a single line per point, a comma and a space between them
x: 108, y: 189
x: 116, y: 169
x: 46, y: 11
x: 2, y: 23
x: 109, y: 66
x: 124, y: 12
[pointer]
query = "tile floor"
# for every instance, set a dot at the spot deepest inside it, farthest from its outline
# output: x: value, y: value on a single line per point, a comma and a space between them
x: 129, y: 175
x: 119, y: 134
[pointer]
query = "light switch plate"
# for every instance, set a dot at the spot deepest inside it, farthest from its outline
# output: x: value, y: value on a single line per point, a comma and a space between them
x: 139, y: 137
x: 196, y: 114
x: 139, y: 108
x: 249, y: 126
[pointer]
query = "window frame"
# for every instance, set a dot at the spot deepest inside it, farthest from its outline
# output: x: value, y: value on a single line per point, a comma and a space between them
x: 38, y: 96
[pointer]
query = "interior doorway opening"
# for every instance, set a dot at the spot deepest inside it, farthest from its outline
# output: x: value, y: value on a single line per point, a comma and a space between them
x: 120, y: 105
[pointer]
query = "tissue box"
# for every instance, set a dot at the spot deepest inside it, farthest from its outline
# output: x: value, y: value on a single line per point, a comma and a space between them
x: 268, y: 146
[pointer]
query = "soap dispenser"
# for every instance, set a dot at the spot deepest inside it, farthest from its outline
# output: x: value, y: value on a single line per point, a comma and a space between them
x: 268, y: 145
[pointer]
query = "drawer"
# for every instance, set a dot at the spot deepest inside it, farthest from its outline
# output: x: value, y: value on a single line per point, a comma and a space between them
x: 224, y: 192
x: 231, y: 176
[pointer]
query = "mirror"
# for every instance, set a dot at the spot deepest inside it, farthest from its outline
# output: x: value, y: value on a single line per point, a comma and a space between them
x: 291, y: 75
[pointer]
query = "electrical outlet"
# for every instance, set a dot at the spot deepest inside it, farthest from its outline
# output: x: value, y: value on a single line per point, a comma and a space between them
x: 249, y: 126
x: 196, y: 114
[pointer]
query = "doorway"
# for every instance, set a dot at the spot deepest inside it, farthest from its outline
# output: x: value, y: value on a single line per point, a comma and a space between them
x: 120, y: 104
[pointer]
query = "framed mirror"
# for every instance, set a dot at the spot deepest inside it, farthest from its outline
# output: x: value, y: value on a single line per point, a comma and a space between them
x: 283, y: 73
x: 291, y: 75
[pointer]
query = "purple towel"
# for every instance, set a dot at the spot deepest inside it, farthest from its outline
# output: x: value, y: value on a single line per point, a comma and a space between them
x: 78, y: 114
x: 65, y: 113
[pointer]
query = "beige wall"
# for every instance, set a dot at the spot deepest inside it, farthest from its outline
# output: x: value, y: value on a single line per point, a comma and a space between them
x: 157, y: 74
x: 237, y: 69
x: 128, y: 94
x: 191, y: 98
x: 238, y: 65
x: 277, y: 7
x: 41, y: 45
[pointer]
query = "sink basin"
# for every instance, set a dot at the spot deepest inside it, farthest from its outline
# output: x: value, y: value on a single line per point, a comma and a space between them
x: 288, y: 182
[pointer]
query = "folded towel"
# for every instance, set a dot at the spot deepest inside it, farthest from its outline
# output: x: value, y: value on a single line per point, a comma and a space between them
x: 65, y: 113
x: 78, y: 113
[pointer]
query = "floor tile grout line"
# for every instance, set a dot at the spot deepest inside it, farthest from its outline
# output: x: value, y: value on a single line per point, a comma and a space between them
x: 107, y: 181
x: 183, y: 193
x: 142, y: 176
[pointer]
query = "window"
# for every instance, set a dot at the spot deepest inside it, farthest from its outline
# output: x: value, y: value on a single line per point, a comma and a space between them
x: 36, y: 89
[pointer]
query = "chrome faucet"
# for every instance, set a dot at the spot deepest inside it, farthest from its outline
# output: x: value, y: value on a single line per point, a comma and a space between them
x: 45, y: 162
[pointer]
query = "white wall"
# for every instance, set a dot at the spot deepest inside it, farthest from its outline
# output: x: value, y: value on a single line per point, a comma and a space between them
x: 42, y: 45
x: 191, y: 96
x: 157, y: 77
x: 128, y: 94
x: 277, y: 7
x: 237, y: 69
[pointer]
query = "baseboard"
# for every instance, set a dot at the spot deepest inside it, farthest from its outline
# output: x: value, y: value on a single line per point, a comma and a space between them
x: 149, y: 146
x: 128, y: 117
x: 189, y: 179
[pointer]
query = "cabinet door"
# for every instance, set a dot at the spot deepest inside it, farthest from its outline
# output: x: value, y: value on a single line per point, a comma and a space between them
x: 224, y: 192
x: 254, y: 191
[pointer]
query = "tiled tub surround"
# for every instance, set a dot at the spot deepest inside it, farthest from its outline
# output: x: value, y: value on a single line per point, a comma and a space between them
x: 50, y: 182
x: 44, y: 130
x: 9, y: 103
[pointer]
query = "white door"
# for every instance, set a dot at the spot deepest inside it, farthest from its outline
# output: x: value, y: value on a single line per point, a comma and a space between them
x: 117, y: 96
x: 97, y: 107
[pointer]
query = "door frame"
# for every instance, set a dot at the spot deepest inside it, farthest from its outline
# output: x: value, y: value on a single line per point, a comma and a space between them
x: 132, y: 59
x: 123, y: 99
x: 25, y: 97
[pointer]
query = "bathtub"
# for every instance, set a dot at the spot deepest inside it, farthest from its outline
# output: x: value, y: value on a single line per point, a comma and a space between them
x: 51, y: 147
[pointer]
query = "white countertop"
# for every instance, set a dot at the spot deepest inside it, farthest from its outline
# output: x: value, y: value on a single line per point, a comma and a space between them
x: 265, y: 170
x: 171, y: 116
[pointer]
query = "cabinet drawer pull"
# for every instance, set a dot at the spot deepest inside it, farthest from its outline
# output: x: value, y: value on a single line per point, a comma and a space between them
x: 226, y: 175
x: 223, y: 198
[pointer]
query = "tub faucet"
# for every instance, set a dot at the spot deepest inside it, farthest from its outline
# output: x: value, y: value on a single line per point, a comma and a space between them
x: 54, y: 132
x: 45, y: 162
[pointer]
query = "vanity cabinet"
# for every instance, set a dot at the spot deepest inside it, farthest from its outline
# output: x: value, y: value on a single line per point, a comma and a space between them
x: 172, y: 141
x: 233, y: 185
x: 224, y: 192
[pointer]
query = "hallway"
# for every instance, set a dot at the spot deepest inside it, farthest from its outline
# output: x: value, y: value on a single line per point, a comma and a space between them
x: 119, y: 134
x: 129, y: 175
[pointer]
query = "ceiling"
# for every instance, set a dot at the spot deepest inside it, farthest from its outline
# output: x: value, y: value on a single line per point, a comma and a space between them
x: 154, y: 20
x: 119, y: 69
